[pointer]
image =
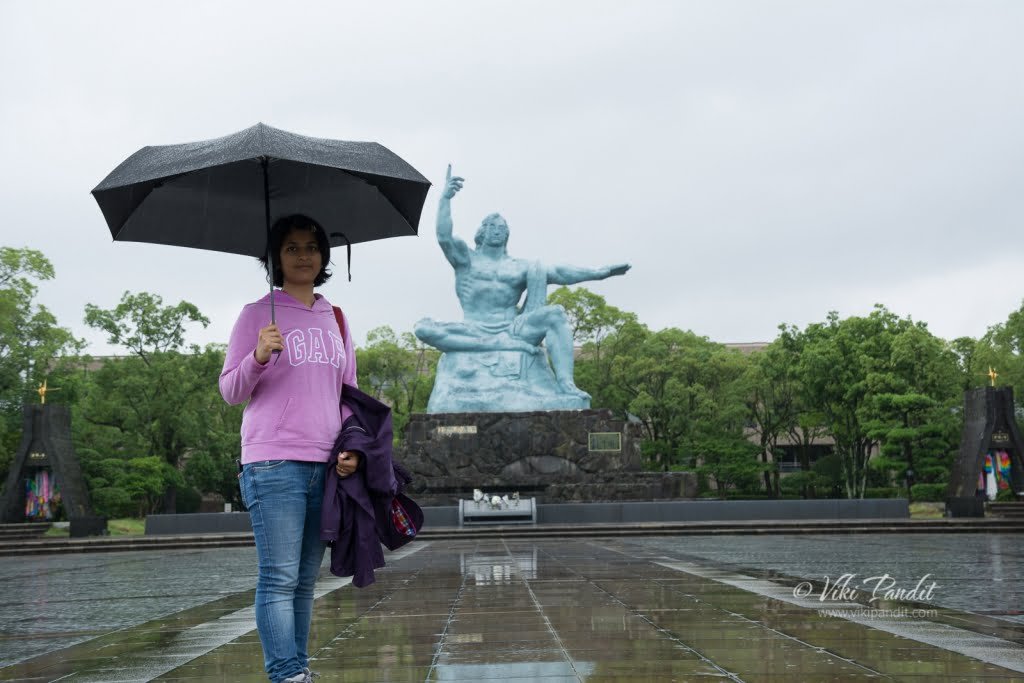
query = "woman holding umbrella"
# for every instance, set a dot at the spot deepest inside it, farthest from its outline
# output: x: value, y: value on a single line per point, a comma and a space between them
x: 291, y: 373
x: 217, y: 194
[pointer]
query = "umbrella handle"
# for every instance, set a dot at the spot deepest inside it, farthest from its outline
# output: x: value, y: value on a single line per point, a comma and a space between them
x: 348, y: 248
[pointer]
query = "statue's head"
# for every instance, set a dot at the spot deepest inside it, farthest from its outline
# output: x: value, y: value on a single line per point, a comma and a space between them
x: 493, y: 231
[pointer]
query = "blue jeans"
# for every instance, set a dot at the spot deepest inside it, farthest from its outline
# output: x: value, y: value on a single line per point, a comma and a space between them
x: 284, y: 499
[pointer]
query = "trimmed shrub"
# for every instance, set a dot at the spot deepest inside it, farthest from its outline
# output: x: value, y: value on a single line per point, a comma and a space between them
x: 934, y: 493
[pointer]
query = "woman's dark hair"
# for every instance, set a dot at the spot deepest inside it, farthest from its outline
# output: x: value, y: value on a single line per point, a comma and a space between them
x: 281, y: 228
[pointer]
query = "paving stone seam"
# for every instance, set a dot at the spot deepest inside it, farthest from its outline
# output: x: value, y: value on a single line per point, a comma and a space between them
x: 995, y: 651
x: 743, y: 617
x: 234, y: 625
x: 448, y: 623
x: 398, y: 555
x: 790, y: 637
x: 643, y: 617
x: 547, y: 622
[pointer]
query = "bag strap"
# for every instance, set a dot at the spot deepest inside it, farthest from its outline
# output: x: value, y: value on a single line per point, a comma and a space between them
x: 341, y: 322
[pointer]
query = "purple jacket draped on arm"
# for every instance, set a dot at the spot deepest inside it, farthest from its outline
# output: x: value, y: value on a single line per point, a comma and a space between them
x: 356, y: 516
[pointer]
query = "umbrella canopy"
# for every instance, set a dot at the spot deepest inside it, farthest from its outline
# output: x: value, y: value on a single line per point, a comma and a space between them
x: 223, y: 194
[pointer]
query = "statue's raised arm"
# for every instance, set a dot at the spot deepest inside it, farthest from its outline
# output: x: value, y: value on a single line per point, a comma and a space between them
x: 455, y: 250
x: 570, y: 275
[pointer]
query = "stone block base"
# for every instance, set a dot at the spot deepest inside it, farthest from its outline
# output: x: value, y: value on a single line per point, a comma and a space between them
x: 91, y: 525
x: 965, y: 506
x: 554, y: 456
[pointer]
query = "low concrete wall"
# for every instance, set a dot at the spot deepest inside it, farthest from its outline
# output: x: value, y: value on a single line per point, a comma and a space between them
x: 198, y: 523
x: 442, y: 516
x: 598, y: 513
x: 698, y: 511
x: 723, y: 511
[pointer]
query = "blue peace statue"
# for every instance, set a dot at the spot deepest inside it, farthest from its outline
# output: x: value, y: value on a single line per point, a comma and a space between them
x: 493, y: 360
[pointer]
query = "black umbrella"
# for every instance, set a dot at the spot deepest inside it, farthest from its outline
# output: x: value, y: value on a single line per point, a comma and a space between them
x: 223, y: 194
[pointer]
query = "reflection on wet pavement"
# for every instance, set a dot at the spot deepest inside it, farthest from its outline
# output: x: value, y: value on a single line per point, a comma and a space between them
x: 650, y: 609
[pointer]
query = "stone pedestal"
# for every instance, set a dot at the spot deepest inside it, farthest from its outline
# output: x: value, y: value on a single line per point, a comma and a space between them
x: 555, y: 456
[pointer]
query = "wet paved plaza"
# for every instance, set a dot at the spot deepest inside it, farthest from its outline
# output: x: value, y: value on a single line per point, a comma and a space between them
x: 916, y: 607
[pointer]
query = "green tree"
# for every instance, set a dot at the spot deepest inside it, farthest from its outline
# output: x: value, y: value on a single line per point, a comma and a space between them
x: 879, y: 380
x: 32, y: 344
x: 1000, y: 348
x: 590, y: 317
x: 154, y: 402
x: 772, y: 403
x: 808, y: 427
x: 130, y: 486
x: 732, y: 463
x: 593, y: 321
x: 398, y: 371
x: 211, y: 463
x: 723, y: 449
x: 143, y: 325
x: 205, y: 436
x: 964, y: 350
x: 836, y: 359
x: 911, y: 412
x: 688, y: 394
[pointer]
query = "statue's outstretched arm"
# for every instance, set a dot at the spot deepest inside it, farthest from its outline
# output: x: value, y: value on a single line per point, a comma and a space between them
x: 570, y: 275
x: 455, y: 250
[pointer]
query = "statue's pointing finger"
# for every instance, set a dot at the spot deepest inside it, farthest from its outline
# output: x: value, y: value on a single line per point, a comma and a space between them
x: 454, y: 185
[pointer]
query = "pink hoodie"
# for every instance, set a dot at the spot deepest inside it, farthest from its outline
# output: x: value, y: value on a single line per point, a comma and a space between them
x: 293, y: 411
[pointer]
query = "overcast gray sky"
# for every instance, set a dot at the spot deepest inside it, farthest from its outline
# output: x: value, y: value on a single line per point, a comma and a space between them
x: 757, y: 162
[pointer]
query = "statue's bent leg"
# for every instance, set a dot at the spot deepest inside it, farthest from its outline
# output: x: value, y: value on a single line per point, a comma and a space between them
x: 550, y: 324
x: 506, y: 342
x: 459, y: 337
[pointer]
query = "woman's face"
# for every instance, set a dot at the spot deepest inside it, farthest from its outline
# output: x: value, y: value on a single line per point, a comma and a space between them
x: 300, y: 257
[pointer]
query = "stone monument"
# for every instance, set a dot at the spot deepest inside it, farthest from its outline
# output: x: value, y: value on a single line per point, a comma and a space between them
x: 45, y: 481
x: 990, y: 454
x: 505, y: 414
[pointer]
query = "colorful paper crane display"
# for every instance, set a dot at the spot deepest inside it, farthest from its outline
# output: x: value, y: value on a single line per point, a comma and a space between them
x: 995, y: 475
x: 42, y: 498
